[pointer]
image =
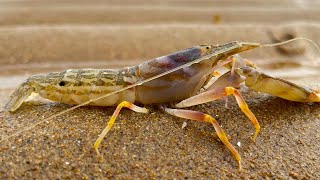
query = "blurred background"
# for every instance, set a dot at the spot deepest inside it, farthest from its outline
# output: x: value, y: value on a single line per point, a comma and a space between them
x: 41, y: 36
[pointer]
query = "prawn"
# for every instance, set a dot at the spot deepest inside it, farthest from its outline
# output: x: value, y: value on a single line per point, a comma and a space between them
x: 174, y: 79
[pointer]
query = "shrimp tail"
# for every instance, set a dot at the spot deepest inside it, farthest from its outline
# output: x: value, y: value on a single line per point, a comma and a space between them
x: 19, y: 96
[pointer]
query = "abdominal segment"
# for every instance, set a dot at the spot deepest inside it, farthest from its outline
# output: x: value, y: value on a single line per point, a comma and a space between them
x: 78, y: 97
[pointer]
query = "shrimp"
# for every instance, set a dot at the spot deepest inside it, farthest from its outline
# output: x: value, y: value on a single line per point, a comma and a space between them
x: 174, y: 79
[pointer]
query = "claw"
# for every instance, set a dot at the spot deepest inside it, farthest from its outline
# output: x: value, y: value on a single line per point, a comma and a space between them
x: 314, y: 97
x: 261, y: 82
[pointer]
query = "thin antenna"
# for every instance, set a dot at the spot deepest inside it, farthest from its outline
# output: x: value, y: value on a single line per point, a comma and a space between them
x: 291, y: 40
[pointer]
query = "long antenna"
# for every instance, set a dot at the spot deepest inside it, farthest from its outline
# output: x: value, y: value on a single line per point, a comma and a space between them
x: 291, y: 40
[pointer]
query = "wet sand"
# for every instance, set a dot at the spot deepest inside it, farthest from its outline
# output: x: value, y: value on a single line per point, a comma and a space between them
x: 38, y: 38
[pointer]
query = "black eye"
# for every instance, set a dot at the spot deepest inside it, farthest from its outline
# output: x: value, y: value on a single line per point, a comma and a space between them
x: 207, y: 47
x: 62, y: 83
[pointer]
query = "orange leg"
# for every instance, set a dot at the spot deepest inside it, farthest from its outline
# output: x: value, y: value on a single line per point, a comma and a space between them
x: 199, y: 116
x: 113, y: 118
x: 218, y: 93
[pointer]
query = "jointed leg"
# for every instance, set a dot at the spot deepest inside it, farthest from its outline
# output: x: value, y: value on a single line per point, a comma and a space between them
x: 218, y: 93
x: 231, y: 78
x: 199, y: 116
x: 113, y: 118
x: 236, y: 61
x: 245, y: 109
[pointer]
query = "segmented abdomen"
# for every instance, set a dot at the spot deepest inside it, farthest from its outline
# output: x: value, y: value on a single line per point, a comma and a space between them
x: 78, y: 86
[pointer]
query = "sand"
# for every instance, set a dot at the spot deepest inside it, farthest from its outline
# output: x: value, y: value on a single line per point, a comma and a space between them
x: 41, y: 37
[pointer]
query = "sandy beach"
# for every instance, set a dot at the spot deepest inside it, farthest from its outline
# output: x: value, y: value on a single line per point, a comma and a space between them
x: 42, y: 37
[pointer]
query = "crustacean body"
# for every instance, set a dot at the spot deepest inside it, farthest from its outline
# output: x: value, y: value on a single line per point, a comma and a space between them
x: 174, y: 79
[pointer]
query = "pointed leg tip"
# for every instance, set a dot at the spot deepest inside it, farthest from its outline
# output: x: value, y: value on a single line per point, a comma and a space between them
x: 255, y: 136
x: 254, y: 139
x: 240, y: 166
x: 96, y: 147
x: 97, y: 151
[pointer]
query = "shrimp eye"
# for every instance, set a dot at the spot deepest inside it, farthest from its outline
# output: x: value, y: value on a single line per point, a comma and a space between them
x: 62, y: 83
